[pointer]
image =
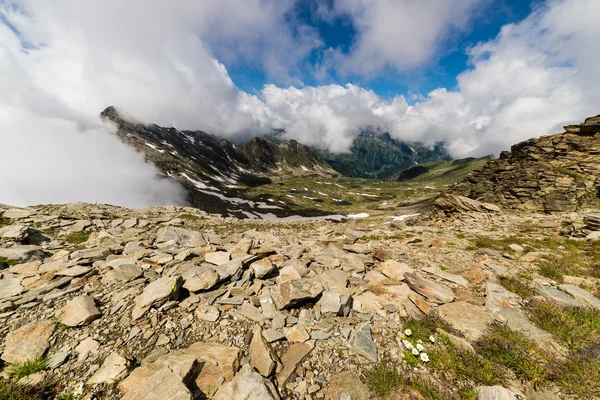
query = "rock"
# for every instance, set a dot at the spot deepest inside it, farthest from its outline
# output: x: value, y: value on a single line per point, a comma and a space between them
x: 170, y: 235
x: 17, y: 213
x: 347, y: 386
x: 462, y: 204
x: 259, y: 353
x: 156, y: 294
x: 272, y: 335
x: 10, y: 287
x: 395, y: 270
x: 581, y: 295
x: 287, y: 273
x: 382, y: 254
x: 459, y: 280
x: 14, y: 232
x: 57, y: 359
x: 558, y: 296
x: 112, y: 368
x: 294, y: 356
x: 335, y: 304
x: 333, y: 279
x: 122, y: 274
x: 494, y: 393
x: 470, y: 320
x: 199, y: 278
x: 79, y: 311
x: 163, y: 384
x: 74, y: 271
x: 217, y: 258
x: 292, y: 292
x: 247, y: 385
x: 431, y: 290
x: 85, y: 347
x: 229, y: 269
x: 362, y: 342
x: 207, y: 313
x: 251, y: 312
x: 262, y: 267
x: 458, y: 342
x: 79, y: 226
x: 219, y: 363
x: 297, y: 334
x: 29, y: 342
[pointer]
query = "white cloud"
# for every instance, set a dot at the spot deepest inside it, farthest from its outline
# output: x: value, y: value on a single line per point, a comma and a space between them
x: 534, y: 77
x: 401, y: 34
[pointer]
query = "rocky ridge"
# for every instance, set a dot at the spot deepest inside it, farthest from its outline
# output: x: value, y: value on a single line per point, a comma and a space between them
x: 554, y: 173
x: 172, y: 302
x: 214, y: 171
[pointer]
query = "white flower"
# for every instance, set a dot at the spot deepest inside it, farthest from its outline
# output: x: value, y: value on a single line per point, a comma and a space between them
x: 407, y: 344
x: 419, y: 341
x: 424, y: 357
x: 432, y: 339
x: 407, y: 332
x: 420, y: 347
x: 415, y: 352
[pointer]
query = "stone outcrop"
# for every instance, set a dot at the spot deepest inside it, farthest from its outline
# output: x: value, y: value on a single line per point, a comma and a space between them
x: 553, y: 173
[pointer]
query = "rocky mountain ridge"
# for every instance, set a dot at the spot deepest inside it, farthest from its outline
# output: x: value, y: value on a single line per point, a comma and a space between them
x: 553, y: 173
x: 214, y: 171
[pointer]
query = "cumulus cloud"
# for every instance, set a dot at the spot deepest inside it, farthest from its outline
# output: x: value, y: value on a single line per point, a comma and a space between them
x: 401, y: 34
x: 532, y: 79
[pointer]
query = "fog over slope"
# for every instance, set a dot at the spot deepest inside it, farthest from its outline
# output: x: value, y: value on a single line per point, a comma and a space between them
x: 63, y: 62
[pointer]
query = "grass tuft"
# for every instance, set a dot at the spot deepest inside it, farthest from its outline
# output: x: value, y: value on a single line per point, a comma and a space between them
x: 77, y: 237
x: 21, y: 370
x: 552, y: 271
x: 383, y: 380
x: 10, y: 390
x: 5, y: 262
x: 187, y: 216
x: 517, y: 286
x: 577, y: 327
x: 580, y: 375
x: 504, y: 346
x: 424, y: 327
x: 463, y: 365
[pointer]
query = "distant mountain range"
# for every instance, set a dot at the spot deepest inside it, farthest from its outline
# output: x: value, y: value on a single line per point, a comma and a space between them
x: 376, y: 155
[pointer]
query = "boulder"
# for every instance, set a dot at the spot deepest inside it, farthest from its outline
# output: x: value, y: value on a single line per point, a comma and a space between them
x: 262, y: 267
x: 79, y: 311
x: 293, y: 357
x: 29, y: 342
x: 122, y: 274
x: 362, y: 342
x: 288, y: 293
x: 112, y: 368
x: 217, y: 258
x: 431, y: 290
x: 10, y: 287
x: 260, y: 353
x: 335, y: 304
x: 200, y: 277
x: 247, y: 385
x: 170, y: 235
x: 156, y: 294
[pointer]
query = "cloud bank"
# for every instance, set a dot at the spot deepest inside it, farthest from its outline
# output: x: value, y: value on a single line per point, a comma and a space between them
x: 62, y: 63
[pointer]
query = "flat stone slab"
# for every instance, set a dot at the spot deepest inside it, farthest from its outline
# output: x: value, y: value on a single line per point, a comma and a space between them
x: 431, y: 290
x: 362, y: 342
x: 395, y: 270
x: 494, y: 393
x: 28, y: 342
x: 469, y: 319
x: 249, y: 385
x: 79, y: 311
x: 459, y: 280
x: 581, y: 295
x: 558, y: 296
x: 10, y: 287
x: 295, y: 355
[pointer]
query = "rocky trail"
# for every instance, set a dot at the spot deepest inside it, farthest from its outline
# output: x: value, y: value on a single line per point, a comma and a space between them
x: 175, y: 303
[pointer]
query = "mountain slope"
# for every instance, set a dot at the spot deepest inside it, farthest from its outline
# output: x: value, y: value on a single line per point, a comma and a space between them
x: 375, y: 155
x: 440, y: 172
x: 551, y: 173
x: 216, y: 172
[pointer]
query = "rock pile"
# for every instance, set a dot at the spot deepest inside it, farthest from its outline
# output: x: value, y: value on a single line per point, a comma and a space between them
x: 174, y: 303
x: 554, y: 173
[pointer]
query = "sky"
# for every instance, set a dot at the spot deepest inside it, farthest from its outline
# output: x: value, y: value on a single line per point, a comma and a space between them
x: 478, y: 75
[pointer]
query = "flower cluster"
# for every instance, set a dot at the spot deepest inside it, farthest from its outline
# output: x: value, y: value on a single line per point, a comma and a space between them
x: 76, y: 389
x: 417, y: 349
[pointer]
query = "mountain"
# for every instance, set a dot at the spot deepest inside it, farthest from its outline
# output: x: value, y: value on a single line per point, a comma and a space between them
x: 378, y: 155
x: 216, y: 172
x: 559, y: 172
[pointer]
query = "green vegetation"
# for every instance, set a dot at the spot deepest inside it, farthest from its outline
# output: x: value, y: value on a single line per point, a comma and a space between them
x: 383, y: 380
x: 77, y: 237
x: 511, y: 349
x: 5, y: 222
x: 577, y: 327
x: 21, y: 370
x: 66, y: 396
x: 467, y: 394
x: 517, y: 286
x: 5, y: 262
x: 187, y: 216
x: 464, y: 365
x: 580, y: 375
x: 10, y: 390
x: 441, y: 172
x: 552, y: 271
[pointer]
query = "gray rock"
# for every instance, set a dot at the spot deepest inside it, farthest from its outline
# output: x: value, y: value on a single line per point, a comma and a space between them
x: 17, y: 213
x: 229, y: 269
x: 122, y: 274
x: 251, y: 312
x: 162, y: 384
x: 247, y: 385
x: 156, y: 294
x: 292, y: 292
x: 10, y: 287
x: 335, y: 304
x: 170, y: 235
x: 582, y: 295
x: 558, y: 296
x: 459, y: 280
x: 494, y: 393
x: 470, y: 320
x: 395, y: 270
x: 260, y: 354
x: 74, y: 271
x: 262, y: 267
x: 272, y: 335
x: 293, y: 357
x: 112, y: 368
x: 199, y: 278
x: 217, y: 258
x: 14, y: 232
x: 79, y: 311
x: 362, y: 342
x: 57, y: 359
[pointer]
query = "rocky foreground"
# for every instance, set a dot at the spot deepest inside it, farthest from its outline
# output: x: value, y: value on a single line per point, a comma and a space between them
x: 173, y: 303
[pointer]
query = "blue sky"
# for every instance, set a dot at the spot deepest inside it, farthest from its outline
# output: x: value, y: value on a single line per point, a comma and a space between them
x: 440, y: 71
